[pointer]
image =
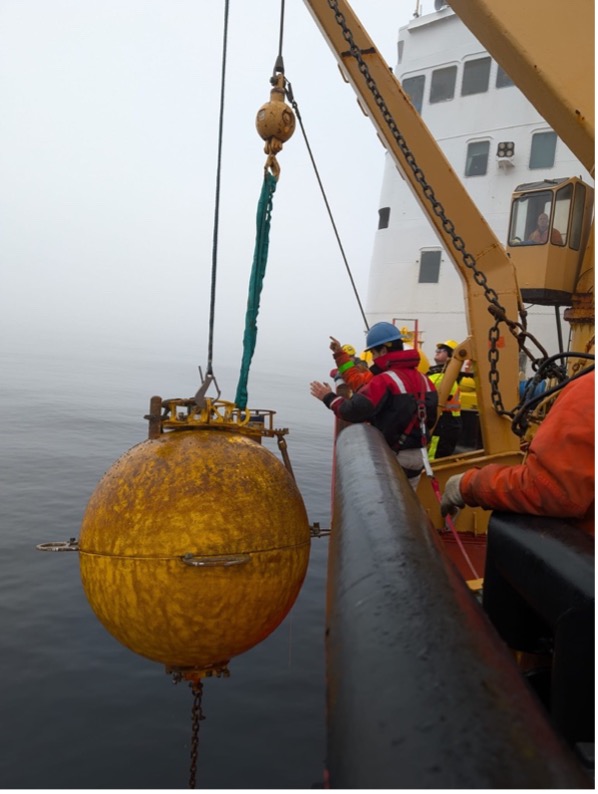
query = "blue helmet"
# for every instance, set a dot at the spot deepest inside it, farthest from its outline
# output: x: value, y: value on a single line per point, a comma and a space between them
x: 381, y: 333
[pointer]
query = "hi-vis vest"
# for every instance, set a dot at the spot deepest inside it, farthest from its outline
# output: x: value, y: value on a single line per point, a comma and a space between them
x: 453, y: 403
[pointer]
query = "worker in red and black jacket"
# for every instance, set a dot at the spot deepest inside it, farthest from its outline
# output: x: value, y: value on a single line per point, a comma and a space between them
x: 391, y: 399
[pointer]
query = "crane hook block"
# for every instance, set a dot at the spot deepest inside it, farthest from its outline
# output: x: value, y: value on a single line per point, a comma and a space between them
x: 275, y: 121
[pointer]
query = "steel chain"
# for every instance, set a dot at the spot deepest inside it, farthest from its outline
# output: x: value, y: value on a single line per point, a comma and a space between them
x: 196, y: 717
x: 458, y: 243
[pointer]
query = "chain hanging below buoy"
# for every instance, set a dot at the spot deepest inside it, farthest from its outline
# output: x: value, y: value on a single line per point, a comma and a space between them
x: 197, y: 716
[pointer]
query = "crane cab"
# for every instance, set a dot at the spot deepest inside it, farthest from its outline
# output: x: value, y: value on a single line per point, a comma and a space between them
x: 548, y: 232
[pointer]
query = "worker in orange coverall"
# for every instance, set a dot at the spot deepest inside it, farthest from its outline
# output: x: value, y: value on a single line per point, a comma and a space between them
x: 556, y: 478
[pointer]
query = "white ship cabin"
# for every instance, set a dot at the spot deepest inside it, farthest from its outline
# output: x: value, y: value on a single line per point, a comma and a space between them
x: 495, y: 141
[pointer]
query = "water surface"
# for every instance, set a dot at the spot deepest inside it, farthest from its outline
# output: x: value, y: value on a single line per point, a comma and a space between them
x: 78, y: 709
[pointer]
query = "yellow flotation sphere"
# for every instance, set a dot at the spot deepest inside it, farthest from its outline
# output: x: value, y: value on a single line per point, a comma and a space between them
x: 193, y: 547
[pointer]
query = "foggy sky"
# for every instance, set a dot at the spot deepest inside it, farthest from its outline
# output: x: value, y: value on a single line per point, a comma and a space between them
x: 108, y: 150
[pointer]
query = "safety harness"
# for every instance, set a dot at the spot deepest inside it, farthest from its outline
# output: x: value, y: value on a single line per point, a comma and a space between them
x: 420, y: 415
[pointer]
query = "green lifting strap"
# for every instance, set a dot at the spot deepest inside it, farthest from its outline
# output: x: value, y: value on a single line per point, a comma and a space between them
x: 258, y: 270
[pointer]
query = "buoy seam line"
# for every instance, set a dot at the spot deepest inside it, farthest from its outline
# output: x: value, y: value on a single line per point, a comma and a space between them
x: 180, y: 557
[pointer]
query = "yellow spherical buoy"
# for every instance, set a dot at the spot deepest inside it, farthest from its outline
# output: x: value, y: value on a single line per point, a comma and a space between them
x: 193, y: 547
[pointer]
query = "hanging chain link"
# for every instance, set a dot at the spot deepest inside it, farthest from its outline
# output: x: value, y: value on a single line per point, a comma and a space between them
x: 495, y: 308
x: 196, y: 717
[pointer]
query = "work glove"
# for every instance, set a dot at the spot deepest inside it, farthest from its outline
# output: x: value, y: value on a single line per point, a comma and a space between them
x: 451, y: 498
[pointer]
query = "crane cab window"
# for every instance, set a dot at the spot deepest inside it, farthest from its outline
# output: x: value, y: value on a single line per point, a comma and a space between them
x: 577, y: 217
x: 543, y: 150
x: 476, y: 76
x: 442, y: 84
x: 532, y: 220
x: 429, y: 267
x: 562, y: 212
x: 414, y: 88
x: 476, y: 163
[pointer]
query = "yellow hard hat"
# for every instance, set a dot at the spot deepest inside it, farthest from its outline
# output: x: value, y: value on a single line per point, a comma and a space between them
x: 366, y: 356
x: 350, y: 350
x: 450, y: 343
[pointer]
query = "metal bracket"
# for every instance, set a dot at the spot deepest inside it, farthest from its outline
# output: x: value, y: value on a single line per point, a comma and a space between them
x: 66, y: 545
x: 206, y: 382
x: 225, y: 560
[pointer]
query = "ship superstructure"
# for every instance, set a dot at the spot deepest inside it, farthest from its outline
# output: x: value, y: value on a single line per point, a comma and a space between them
x: 495, y: 140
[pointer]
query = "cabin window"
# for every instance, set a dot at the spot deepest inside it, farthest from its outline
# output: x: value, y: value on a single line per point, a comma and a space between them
x: 562, y: 209
x: 383, y: 217
x: 429, y: 267
x: 502, y: 78
x: 577, y: 217
x: 477, y: 158
x: 543, y: 150
x: 414, y: 88
x: 530, y: 220
x: 442, y: 85
x: 476, y: 76
x: 400, y: 47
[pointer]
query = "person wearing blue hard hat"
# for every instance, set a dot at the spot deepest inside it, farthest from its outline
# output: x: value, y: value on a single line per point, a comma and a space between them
x: 391, y: 398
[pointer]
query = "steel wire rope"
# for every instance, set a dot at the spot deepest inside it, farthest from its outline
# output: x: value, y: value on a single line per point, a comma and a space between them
x: 217, y: 196
x: 280, y: 38
x: 293, y: 102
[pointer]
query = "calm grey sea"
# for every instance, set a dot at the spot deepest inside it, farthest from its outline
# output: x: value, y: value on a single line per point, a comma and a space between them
x: 78, y: 710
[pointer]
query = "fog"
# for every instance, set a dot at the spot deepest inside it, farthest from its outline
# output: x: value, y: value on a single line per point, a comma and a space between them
x: 108, y: 155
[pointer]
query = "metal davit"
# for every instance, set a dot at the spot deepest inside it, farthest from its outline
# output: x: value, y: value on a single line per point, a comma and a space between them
x: 421, y: 691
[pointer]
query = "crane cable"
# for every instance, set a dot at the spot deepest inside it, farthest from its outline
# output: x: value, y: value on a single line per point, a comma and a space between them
x: 279, y: 66
x: 209, y: 371
x: 289, y: 91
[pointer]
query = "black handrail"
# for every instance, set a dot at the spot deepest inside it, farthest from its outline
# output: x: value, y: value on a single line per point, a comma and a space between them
x: 421, y: 691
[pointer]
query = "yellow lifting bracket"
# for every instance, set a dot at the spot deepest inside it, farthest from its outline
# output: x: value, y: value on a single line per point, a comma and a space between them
x: 182, y: 414
x: 176, y: 414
